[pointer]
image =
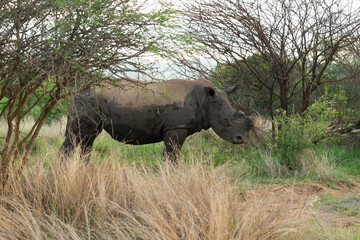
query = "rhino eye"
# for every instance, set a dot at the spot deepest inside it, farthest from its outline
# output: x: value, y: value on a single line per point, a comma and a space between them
x: 226, y: 122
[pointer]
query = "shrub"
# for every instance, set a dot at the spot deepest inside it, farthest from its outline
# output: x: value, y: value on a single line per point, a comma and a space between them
x: 295, y: 132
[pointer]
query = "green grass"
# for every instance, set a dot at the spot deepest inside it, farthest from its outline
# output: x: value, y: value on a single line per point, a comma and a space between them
x: 105, y: 146
x: 348, y: 158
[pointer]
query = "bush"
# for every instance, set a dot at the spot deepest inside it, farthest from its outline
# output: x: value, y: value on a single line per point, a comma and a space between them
x: 296, y: 132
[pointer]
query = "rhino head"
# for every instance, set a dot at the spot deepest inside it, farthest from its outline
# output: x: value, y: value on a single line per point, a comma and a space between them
x: 229, y: 124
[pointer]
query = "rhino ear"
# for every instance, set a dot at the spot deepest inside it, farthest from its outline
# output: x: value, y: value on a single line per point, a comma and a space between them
x: 209, y: 92
x: 232, y: 89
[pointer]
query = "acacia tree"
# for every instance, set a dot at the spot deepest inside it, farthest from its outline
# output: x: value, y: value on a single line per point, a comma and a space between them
x: 51, y: 49
x: 298, y: 39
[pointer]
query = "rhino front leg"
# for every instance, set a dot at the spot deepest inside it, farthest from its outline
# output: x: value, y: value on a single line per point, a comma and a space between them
x: 173, y: 140
x: 81, y: 130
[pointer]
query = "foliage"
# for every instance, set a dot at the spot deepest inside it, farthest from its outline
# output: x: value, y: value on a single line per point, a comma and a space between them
x: 345, y: 114
x: 59, y: 110
x: 55, y: 114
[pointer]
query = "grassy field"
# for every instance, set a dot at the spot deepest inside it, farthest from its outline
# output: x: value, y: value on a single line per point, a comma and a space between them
x: 219, y: 191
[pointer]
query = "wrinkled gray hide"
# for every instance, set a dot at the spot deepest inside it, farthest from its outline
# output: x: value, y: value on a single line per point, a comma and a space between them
x: 167, y: 111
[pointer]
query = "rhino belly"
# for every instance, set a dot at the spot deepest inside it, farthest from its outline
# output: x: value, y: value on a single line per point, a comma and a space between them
x: 134, y: 126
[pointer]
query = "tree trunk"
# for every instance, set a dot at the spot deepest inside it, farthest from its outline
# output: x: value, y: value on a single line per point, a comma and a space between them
x: 306, y: 99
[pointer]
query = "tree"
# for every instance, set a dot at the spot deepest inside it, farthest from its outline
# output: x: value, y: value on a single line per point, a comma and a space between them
x: 252, y: 95
x: 298, y: 39
x: 52, y: 49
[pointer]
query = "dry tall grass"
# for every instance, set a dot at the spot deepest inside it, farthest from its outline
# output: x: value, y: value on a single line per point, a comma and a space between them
x: 260, y: 131
x: 110, y: 200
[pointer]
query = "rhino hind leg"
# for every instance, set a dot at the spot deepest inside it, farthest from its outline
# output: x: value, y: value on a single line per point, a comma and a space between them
x: 70, y: 143
x: 173, y: 140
